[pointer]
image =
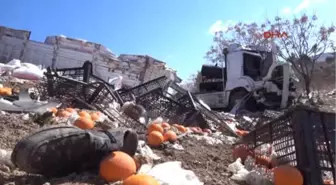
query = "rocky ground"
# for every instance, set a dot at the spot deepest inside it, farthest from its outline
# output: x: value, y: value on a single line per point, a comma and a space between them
x: 209, y: 162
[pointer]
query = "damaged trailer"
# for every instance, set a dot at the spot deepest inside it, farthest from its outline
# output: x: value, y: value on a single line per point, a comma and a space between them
x: 250, y: 74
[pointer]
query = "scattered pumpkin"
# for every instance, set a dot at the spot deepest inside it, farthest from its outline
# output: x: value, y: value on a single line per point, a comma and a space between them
x: 84, y: 114
x: 63, y: 113
x: 165, y: 125
x: 181, y: 128
x: 117, y: 166
x: 242, y: 133
x: 84, y: 123
x: 53, y: 110
x: 328, y: 182
x: 241, y: 151
x: 285, y: 175
x: 71, y: 110
x: 175, y: 125
x: 196, y: 130
x: 206, y: 130
x: 170, y: 136
x: 6, y: 91
x: 263, y: 160
x: 155, y: 138
x: 140, y: 179
x: 155, y: 127
x: 95, y: 116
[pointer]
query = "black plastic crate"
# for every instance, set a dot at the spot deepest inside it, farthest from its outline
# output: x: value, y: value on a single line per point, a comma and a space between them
x: 303, y: 137
x: 174, y: 91
x: 210, y: 117
x: 158, y: 105
x: 91, y: 93
x: 59, y: 86
x: 76, y: 73
x: 104, y: 95
x: 83, y: 74
x: 280, y: 133
x: 137, y: 91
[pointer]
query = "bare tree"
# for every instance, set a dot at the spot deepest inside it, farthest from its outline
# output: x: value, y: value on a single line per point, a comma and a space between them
x: 303, y: 42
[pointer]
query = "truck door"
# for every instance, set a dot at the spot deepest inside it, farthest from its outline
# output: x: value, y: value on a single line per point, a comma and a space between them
x: 251, y: 66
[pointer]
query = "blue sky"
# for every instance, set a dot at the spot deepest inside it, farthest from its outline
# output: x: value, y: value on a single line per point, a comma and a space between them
x: 175, y: 31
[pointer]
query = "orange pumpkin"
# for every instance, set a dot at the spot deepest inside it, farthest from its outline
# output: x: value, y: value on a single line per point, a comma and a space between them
x: 328, y: 182
x: 84, y: 123
x: 241, y: 151
x: 196, y: 130
x: 242, y: 133
x: 140, y: 179
x: 53, y: 110
x: 155, y: 127
x: 170, y: 136
x: 71, y: 110
x: 155, y: 138
x: 84, y: 114
x: 117, y: 166
x: 6, y: 91
x: 285, y: 175
x: 181, y: 128
x: 95, y: 116
x: 175, y: 125
x: 206, y: 130
x: 165, y: 125
x: 63, y: 113
x: 263, y: 160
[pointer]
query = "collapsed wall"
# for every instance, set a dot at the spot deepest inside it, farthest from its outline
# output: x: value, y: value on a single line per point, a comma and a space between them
x: 64, y: 52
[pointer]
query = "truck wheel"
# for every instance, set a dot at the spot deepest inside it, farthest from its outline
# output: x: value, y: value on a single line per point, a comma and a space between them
x: 237, y: 96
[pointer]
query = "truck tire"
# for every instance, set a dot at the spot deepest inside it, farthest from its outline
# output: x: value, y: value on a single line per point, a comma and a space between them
x: 237, y: 95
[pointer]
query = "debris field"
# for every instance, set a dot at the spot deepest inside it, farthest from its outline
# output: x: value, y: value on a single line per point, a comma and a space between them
x: 202, y: 147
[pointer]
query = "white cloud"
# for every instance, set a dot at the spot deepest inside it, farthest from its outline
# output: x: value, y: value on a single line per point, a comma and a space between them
x: 286, y: 11
x: 305, y: 4
x: 220, y: 26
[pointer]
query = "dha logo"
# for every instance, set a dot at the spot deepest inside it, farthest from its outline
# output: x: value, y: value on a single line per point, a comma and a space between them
x: 275, y: 34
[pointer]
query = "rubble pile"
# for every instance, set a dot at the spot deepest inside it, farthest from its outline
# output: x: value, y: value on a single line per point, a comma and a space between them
x: 178, y: 139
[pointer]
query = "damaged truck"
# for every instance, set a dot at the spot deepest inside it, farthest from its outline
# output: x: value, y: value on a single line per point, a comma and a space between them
x: 251, y: 77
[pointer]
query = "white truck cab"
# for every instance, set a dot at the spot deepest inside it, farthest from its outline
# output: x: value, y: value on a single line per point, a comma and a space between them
x: 246, y: 71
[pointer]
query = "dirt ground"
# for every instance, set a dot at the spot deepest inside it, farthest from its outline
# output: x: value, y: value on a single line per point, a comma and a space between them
x: 208, y: 162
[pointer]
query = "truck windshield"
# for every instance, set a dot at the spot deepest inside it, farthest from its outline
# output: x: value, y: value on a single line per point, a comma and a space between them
x: 252, y: 65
